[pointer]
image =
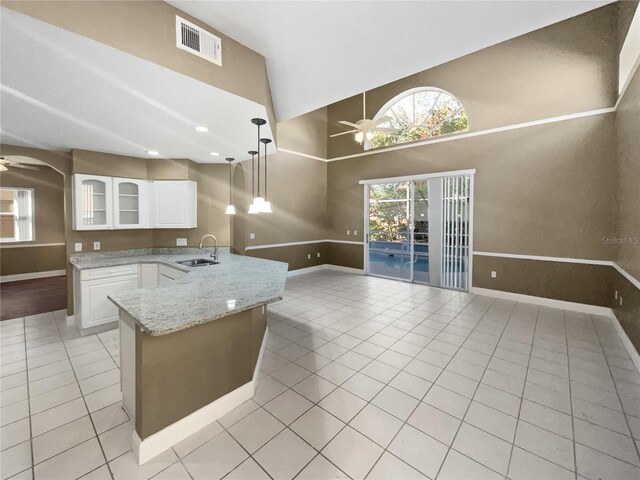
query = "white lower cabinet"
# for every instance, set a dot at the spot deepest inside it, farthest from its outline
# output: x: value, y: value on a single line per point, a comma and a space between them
x: 93, y: 308
x: 168, y: 274
x: 148, y: 275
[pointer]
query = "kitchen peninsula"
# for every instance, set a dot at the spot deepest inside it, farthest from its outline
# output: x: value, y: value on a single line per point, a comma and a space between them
x: 190, y: 348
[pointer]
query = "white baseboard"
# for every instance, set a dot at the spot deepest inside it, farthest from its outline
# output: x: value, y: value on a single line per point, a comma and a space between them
x: 29, y: 276
x: 546, y: 302
x: 154, y: 445
x: 339, y: 268
x: 626, y: 341
x: 324, y: 266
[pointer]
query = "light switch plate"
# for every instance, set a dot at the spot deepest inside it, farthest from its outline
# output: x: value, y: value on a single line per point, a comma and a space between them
x: 96, y: 245
x: 318, y: 254
x: 181, y: 242
x: 78, y: 248
x: 252, y: 236
x: 355, y: 232
x: 348, y: 232
x: 493, y: 274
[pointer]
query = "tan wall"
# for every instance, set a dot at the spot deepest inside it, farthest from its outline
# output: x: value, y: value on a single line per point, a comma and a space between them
x: 565, y: 68
x: 48, y: 186
x: 570, y: 282
x: 298, y: 194
x: 201, y: 364
x: 147, y: 30
x: 305, y: 134
x: 627, y: 237
x: 545, y: 190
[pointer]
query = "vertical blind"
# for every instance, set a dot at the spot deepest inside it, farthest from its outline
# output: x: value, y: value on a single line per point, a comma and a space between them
x: 456, y: 192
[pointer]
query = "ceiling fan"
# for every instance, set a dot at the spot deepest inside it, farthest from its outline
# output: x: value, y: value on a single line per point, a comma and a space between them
x: 16, y: 162
x: 365, y: 128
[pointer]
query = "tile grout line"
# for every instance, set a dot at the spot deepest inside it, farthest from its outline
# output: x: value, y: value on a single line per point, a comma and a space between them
x: 504, y: 328
x: 26, y: 359
x: 615, y: 385
x: 522, y: 398
x: 405, y: 422
x: 95, y: 430
x: 573, y: 420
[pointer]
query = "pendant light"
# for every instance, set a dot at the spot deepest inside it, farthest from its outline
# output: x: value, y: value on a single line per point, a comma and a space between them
x: 258, y: 200
x: 265, y: 207
x: 231, y: 210
x: 253, y: 209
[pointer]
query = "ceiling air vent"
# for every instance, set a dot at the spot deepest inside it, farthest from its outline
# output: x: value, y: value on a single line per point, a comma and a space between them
x: 195, y: 40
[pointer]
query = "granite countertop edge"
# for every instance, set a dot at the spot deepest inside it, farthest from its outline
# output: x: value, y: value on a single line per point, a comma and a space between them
x: 201, y: 296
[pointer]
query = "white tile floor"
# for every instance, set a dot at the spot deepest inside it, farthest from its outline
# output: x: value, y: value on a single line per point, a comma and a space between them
x: 363, y: 378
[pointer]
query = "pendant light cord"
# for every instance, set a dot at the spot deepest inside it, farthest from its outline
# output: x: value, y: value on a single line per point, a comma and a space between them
x: 258, y: 160
x: 230, y: 184
x: 265, y: 171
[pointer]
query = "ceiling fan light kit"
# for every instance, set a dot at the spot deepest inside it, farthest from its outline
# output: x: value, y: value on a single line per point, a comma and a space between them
x: 365, y: 129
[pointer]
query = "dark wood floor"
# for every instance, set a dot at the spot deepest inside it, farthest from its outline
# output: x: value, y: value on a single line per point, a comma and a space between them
x: 28, y: 297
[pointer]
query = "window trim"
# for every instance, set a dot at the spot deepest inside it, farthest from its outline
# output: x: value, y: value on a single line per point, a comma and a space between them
x: 408, y: 93
x: 5, y: 241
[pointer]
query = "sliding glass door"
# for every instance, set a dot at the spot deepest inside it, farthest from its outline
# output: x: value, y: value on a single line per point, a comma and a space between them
x: 390, y: 230
x: 419, y: 230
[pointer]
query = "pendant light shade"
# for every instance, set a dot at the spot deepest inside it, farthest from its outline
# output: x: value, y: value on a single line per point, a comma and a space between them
x: 265, y: 206
x: 253, y: 209
x: 230, y: 210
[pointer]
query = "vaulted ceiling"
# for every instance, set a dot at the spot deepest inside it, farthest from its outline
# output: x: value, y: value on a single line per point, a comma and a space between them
x: 319, y: 52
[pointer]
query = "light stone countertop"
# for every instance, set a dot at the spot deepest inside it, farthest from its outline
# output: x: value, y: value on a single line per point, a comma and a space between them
x: 236, y: 284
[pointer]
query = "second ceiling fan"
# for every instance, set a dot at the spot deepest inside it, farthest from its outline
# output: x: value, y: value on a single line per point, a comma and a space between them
x: 365, y: 128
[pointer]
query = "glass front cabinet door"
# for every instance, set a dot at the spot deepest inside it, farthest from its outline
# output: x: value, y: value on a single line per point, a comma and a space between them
x: 92, y: 202
x: 130, y: 203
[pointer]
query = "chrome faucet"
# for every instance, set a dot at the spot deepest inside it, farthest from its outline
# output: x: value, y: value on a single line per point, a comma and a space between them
x: 214, y: 255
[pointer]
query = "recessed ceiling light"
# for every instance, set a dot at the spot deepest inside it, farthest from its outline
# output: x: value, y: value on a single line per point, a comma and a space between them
x: 153, y: 152
x: 215, y: 154
x: 201, y: 129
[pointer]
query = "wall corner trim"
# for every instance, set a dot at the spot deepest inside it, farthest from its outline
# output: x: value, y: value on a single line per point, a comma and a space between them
x: 30, y: 276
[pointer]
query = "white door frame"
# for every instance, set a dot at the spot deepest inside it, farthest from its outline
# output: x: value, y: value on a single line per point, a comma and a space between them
x: 412, y: 179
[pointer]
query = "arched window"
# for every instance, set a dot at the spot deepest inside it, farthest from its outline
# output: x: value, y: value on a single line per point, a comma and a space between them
x: 419, y: 114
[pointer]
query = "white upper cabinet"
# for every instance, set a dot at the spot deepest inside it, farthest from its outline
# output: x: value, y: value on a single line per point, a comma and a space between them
x: 92, y: 202
x: 105, y: 203
x: 131, y: 203
x: 175, y: 204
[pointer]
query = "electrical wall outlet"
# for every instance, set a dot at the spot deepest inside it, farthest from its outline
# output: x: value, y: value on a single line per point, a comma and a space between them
x: 96, y: 245
x: 494, y: 274
x: 620, y: 300
x: 309, y: 256
x: 615, y: 295
x: 252, y: 236
x: 348, y: 232
x: 181, y: 242
x: 355, y: 232
x: 78, y: 248
x: 318, y: 254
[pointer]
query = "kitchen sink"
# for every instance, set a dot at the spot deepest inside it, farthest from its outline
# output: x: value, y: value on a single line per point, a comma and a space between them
x: 198, y: 262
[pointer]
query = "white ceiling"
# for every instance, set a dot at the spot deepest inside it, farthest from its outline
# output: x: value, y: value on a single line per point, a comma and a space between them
x: 320, y: 52
x: 60, y: 91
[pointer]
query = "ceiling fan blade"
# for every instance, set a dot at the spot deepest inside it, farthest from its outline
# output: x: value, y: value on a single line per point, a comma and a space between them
x: 349, y: 124
x: 343, y: 133
x: 18, y: 165
x: 380, y: 121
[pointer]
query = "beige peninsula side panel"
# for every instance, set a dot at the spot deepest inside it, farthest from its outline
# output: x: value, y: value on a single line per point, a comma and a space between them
x: 179, y: 373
